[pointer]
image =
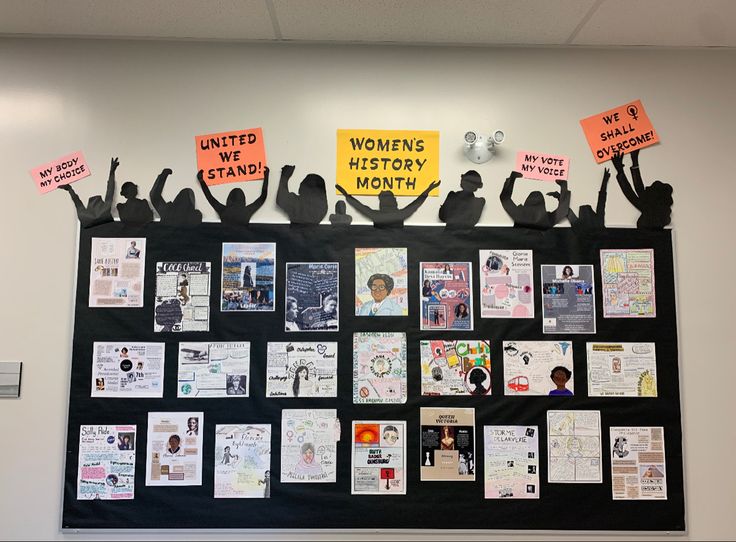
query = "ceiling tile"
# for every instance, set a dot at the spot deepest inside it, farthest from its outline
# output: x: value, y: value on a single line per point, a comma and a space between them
x: 432, y: 21
x: 196, y: 19
x: 680, y: 23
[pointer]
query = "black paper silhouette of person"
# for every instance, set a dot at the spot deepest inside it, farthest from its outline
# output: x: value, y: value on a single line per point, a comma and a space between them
x: 181, y: 211
x: 134, y: 210
x: 97, y: 211
x: 653, y: 201
x: 462, y: 209
x: 310, y: 205
x: 388, y: 214
x: 533, y: 213
x: 168, y: 314
x: 340, y: 217
x: 589, y: 221
x: 235, y: 212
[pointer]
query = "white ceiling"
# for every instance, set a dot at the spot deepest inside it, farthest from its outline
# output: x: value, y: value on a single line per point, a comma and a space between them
x: 660, y: 23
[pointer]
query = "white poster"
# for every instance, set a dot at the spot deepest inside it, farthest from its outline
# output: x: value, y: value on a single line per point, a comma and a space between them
x: 309, y: 445
x: 128, y: 370
x: 243, y: 461
x: 106, y: 462
x: 622, y: 370
x: 379, y: 458
x: 214, y: 370
x: 638, y: 469
x: 182, y: 296
x: 574, y: 446
x: 511, y: 461
x: 116, y: 273
x: 379, y: 367
x: 174, y: 449
x: 301, y: 369
x: 506, y: 284
x: 538, y: 368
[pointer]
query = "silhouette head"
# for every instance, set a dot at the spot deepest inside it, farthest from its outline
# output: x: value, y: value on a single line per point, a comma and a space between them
x: 657, y: 204
x: 387, y: 201
x: 236, y: 198
x: 129, y: 190
x: 586, y: 214
x: 340, y: 208
x: 313, y: 186
x: 477, y: 377
x: 96, y: 204
x: 470, y: 181
x: 184, y: 200
x: 535, y: 199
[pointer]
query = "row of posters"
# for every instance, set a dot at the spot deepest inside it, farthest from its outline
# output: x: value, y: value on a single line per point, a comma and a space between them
x: 242, y: 460
x: 309, y: 369
x: 182, y: 293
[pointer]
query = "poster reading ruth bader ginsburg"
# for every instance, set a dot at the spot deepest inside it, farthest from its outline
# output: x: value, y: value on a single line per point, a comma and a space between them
x: 446, y: 295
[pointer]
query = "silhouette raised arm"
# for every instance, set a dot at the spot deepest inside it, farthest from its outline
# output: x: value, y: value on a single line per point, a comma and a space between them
x: 216, y: 205
x: 156, y: 194
x: 506, y: 194
x: 114, y: 163
x: 363, y: 209
x: 564, y: 203
x: 79, y: 206
x: 600, y: 208
x: 410, y: 209
x: 284, y: 198
x: 251, y: 209
x: 623, y: 181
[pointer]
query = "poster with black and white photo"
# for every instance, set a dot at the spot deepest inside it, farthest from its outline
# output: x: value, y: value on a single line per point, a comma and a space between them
x: 568, y: 299
x: 312, y: 297
x: 182, y: 297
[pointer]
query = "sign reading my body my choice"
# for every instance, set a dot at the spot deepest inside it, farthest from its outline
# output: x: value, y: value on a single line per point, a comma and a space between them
x: 402, y: 161
x: 64, y: 170
x: 230, y: 157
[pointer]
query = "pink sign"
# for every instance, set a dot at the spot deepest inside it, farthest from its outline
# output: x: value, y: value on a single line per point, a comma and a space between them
x: 64, y: 170
x: 543, y: 167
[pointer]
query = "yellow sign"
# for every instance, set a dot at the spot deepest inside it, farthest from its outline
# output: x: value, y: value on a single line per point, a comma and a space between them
x: 405, y: 162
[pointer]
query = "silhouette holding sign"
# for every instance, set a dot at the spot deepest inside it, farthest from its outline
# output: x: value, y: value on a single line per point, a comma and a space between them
x: 235, y: 212
x: 310, y: 206
x: 533, y: 213
x: 340, y: 217
x: 181, y: 211
x: 653, y: 201
x: 462, y: 209
x: 388, y: 214
x: 97, y: 211
x: 588, y: 220
x: 134, y: 210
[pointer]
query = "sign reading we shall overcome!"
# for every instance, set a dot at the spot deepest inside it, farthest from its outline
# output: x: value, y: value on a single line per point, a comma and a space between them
x: 230, y: 157
x: 402, y: 161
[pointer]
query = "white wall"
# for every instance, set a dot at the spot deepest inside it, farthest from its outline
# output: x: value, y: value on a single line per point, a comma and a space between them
x: 145, y: 101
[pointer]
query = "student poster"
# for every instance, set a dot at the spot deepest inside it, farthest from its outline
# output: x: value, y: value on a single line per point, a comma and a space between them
x: 506, y: 284
x: 243, y: 461
x: 379, y: 367
x: 301, y: 369
x: 116, y: 272
x: 106, y: 462
x: 128, y: 369
x: 447, y: 290
x: 378, y: 458
x: 574, y: 446
x: 538, y: 368
x: 182, y: 297
x: 628, y: 283
x: 568, y: 299
x: 511, y: 461
x: 381, y: 282
x: 248, y: 271
x: 622, y: 370
x: 312, y: 296
x: 447, y: 444
x: 309, y: 445
x: 213, y: 370
x: 456, y: 367
x: 638, y: 463
x: 174, y: 449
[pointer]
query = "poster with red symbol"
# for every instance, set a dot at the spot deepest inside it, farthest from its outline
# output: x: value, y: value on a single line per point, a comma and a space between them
x: 379, y: 458
x: 506, y: 284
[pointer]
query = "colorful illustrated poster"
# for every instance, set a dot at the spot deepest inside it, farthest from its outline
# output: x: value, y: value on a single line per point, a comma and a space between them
x: 638, y: 463
x: 128, y: 370
x: 456, y: 367
x: 538, y: 368
x: 106, y: 462
x: 248, y: 271
x: 309, y: 445
x: 574, y: 446
x: 568, y: 299
x: 511, y: 461
x: 116, y: 272
x: 182, y: 296
x: 447, y: 290
x: 448, y: 444
x: 506, y: 284
x: 243, y: 461
x: 312, y: 295
x: 622, y: 370
x: 379, y: 458
x: 381, y: 287
x: 628, y: 283
x: 379, y: 367
x: 301, y: 369
x: 174, y: 449
x: 213, y: 370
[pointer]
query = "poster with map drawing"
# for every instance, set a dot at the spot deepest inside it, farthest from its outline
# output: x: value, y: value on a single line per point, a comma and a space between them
x: 538, y: 368
x: 243, y: 461
x: 506, y: 284
x: 574, y: 446
x: 381, y: 282
x: 309, y: 445
x: 622, y: 370
x: 638, y: 469
x: 379, y: 367
x: 301, y: 369
x: 456, y: 367
x: 628, y: 283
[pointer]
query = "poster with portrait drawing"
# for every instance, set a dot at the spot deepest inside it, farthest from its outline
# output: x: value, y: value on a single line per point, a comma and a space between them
x: 116, y: 273
x: 446, y: 295
x: 506, y: 284
x: 174, y: 449
x: 243, y: 461
x: 301, y: 369
x: 379, y: 458
x: 379, y: 367
x: 248, y: 272
x: 381, y: 282
x: 213, y: 370
x: 456, y: 367
x: 447, y: 444
x: 182, y: 300
x: 106, y: 462
x: 628, y: 283
x: 538, y: 368
x: 309, y: 445
x: 312, y: 297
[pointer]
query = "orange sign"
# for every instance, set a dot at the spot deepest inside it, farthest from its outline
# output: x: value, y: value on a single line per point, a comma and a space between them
x: 230, y: 157
x: 620, y: 130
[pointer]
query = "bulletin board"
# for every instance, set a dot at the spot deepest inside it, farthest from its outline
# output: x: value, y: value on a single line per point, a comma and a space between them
x: 428, y: 504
